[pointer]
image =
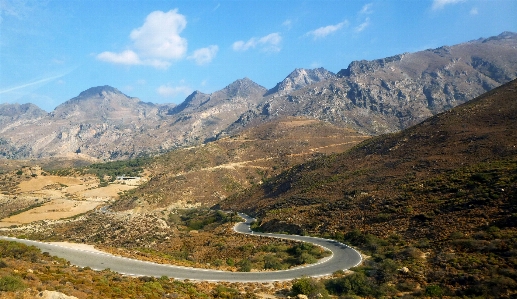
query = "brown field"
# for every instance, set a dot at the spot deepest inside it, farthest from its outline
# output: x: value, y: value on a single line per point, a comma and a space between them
x: 56, y: 197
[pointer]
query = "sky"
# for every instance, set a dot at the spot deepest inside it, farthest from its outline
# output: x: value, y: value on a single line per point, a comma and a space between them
x: 162, y: 51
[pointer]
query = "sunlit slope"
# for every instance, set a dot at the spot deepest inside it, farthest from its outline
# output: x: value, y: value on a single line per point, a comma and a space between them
x: 454, y: 171
x: 204, y: 175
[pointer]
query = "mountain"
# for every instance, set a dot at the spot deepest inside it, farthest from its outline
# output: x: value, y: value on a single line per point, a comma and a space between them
x: 192, y: 102
x: 373, y: 97
x: 103, y: 123
x: 393, y: 93
x: 12, y: 113
x: 300, y: 78
x: 438, y: 195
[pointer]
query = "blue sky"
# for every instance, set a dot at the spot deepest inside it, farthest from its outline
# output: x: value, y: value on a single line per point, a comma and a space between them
x: 161, y: 51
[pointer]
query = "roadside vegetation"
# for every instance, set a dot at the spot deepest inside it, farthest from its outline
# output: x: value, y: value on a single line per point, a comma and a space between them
x: 25, y: 271
x: 266, y: 254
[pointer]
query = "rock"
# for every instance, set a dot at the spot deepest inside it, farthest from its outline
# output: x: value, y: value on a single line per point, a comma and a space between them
x: 301, y: 296
x: 54, y: 295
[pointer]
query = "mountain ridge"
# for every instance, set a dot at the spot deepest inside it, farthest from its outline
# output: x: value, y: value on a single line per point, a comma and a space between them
x: 373, y: 97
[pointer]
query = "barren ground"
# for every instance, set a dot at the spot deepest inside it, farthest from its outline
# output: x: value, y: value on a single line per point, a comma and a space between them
x: 57, y: 197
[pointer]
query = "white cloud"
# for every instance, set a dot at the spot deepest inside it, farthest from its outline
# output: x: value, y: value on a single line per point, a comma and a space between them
x: 363, y: 25
x: 474, y: 11
x: 367, y: 9
x: 439, y: 4
x: 204, y: 55
x: 324, y: 31
x: 172, y: 91
x: 288, y: 23
x: 127, y: 57
x: 38, y: 82
x: 270, y: 43
x: 156, y: 43
x: 159, y: 36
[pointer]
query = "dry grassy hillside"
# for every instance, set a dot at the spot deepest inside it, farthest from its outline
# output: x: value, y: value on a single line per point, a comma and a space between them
x: 379, y: 171
x: 438, y: 199
x: 203, y: 175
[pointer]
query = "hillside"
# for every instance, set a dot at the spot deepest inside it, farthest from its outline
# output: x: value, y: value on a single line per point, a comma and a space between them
x: 203, y: 175
x: 445, y: 189
x: 373, y: 97
x: 152, y: 222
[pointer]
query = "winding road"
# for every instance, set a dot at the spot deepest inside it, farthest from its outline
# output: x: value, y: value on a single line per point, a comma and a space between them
x: 343, y: 257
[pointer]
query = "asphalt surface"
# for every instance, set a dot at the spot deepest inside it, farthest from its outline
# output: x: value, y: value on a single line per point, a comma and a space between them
x: 343, y: 257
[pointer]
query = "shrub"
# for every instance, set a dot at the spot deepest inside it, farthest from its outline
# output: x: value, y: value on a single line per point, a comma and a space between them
x: 434, y: 291
x: 353, y: 284
x: 272, y: 262
x: 225, y: 292
x: 310, y: 287
x: 230, y: 261
x: 245, y: 265
x: 11, y: 283
x: 306, y: 258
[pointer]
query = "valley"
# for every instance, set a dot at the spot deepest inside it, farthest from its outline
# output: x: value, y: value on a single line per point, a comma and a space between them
x: 410, y: 160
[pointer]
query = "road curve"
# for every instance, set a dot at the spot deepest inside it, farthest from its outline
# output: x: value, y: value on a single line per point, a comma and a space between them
x: 343, y: 257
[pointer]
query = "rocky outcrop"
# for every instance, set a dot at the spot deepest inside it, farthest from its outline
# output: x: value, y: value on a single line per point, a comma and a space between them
x: 53, y: 295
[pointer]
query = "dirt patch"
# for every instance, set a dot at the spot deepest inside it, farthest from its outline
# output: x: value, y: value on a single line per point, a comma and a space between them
x: 63, y: 197
x: 41, y: 182
x: 297, y: 123
x: 85, y: 247
x: 109, y: 192
x: 53, y: 210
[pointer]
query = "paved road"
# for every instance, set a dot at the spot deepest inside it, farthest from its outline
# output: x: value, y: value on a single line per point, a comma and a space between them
x: 343, y: 257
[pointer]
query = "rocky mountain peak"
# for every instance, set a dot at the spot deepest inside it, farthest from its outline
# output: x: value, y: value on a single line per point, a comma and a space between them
x: 244, y: 88
x: 99, y: 91
x: 17, y: 110
x: 300, y: 78
x: 193, y: 101
x: 366, y: 67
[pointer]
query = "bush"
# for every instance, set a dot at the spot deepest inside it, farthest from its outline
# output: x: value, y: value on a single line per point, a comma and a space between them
x: 434, y: 291
x: 272, y: 262
x: 353, y: 284
x: 230, y: 261
x: 11, y: 284
x: 306, y: 258
x: 245, y: 265
x: 310, y: 287
x: 225, y: 292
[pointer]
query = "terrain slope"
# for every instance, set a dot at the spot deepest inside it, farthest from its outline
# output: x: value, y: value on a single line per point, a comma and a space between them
x: 439, y: 196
